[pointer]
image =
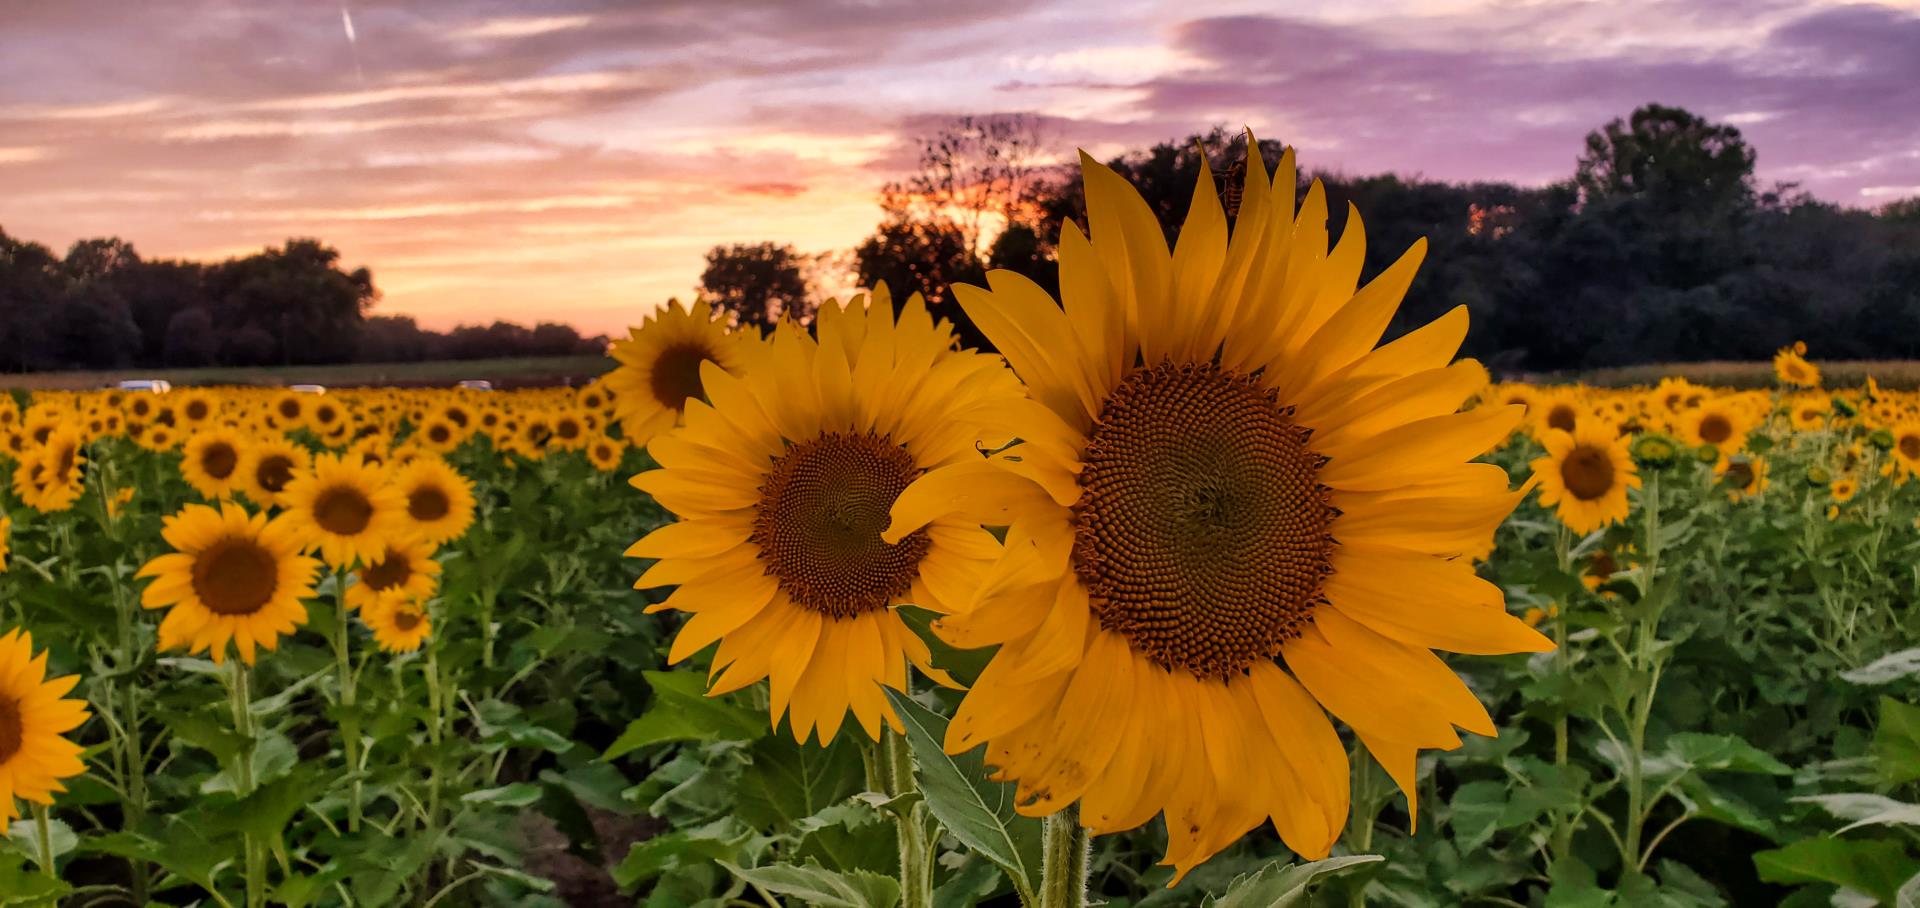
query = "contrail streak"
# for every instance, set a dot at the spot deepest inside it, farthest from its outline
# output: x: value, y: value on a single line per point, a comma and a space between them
x: 353, y: 41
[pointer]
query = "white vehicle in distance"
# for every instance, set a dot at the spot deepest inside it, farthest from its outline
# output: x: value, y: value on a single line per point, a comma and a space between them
x: 476, y: 384
x: 307, y: 389
x: 148, y: 385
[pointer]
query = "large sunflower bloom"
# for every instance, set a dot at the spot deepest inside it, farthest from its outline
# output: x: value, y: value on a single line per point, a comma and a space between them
x: 33, y: 755
x: 407, y: 567
x: 266, y: 468
x: 1791, y: 367
x: 1223, y: 502
x: 782, y: 487
x: 1585, y: 475
x: 400, y: 622
x: 232, y: 576
x: 212, y: 462
x: 345, y: 510
x: 660, y: 366
x: 439, y: 501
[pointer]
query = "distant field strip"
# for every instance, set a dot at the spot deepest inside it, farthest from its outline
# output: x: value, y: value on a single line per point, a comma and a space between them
x: 516, y: 372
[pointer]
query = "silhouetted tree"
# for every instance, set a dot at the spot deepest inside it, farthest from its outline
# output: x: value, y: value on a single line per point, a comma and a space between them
x: 758, y: 284
x: 191, y: 340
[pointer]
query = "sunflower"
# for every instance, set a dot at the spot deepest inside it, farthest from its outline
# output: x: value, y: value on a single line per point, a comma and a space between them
x: 1585, y: 476
x: 1810, y: 412
x: 194, y: 410
x: 606, y: 453
x: 1173, y: 612
x: 1843, y: 489
x: 1560, y: 410
x: 660, y: 366
x: 438, y: 500
x: 56, y: 473
x: 345, y: 510
x: 212, y: 462
x: 33, y: 716
x: 6, y: 541
x: 1906, y: 447
x: 399, y: 622
x: 288, y: 410
x: 1720, y: 423
x: 267, y: 466
x: 439, y: 435
x: 1791, y: 366
x: 570, y: 430
x: 232, y: 576
x: 783, y: 486
x: 1744, y: 477
x: 407, y: 565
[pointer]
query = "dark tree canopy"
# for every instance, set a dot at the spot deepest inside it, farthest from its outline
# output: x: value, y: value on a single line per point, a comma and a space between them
x: 102, y: 306
x: 758, y: 284
x: 1670, y: 156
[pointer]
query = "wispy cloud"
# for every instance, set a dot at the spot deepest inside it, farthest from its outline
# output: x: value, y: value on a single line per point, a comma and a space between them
x: 577, y: 161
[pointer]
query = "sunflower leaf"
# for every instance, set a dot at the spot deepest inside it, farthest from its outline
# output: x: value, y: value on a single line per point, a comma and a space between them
x: 682, y: 711
x: 1280, y: 884
x: 816, y: 885
x: 978, y: 812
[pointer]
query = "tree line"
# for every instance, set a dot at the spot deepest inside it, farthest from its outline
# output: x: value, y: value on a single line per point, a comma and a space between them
x: 102, y: 306
x: 1658, y: 247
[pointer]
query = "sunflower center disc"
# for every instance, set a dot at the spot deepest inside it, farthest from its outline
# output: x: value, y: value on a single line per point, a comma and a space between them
x: 1910, y: 446
x: 427, y: 504
x: 1740, y: 474
x: 235, y: 577
x: 676, y: 374
x: 391, y: 571
x: 274, y: 472
x: 1588, y: 473
x: 342, y: 511
x: 1201, y: 532
x: 406, y: 620
x: 1715, y: 429
x: 818, y: 525
x: 13, y: 732
x: 219, y: 460
x: 1561, y: 417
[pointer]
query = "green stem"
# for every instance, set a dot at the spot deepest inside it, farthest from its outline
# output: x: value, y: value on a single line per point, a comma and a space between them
x: 435, y: 731
x: 349, y: 720
x: 916, y: 864
x: 1067, y: 861
x: 134, y: 763
x: 255, y: 853
x: 1646, y: 633
x: 43, y: 837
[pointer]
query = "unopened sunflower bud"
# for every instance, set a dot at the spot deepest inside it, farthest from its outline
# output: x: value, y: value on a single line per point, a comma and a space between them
x: 1706, y: 454
x: 1654, y: 451
x: 1818, y: 476
x: 1882, y: 439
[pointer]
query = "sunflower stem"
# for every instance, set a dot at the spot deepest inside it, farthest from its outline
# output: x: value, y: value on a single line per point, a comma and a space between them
x: 1067, y: 861
x: 43, y: 837
x: 254, y: 853
x: 895, y: 771
x: 349, y: 720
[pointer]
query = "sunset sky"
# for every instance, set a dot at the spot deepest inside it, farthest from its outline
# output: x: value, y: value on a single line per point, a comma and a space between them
x: 574, y: 160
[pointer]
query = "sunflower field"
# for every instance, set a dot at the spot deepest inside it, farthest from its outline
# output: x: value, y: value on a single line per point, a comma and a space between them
x: 1146, y: 608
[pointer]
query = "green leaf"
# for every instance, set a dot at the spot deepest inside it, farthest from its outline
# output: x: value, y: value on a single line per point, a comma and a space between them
x: 517, y: 795
x: 682, y: 711
x: 788, y: 781
x: 1475, y: 813
x: 717, y: 841
x: 821, y: 887
x: 1866, y: 810
x: 1886, y: 669
x: 1724, y: 753
x: 978, y: 812
x: 24, y: 837
x: 22, y: 887
x: 1280, y: 884
x: 1875, y: 867
x: 1897, y: 741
